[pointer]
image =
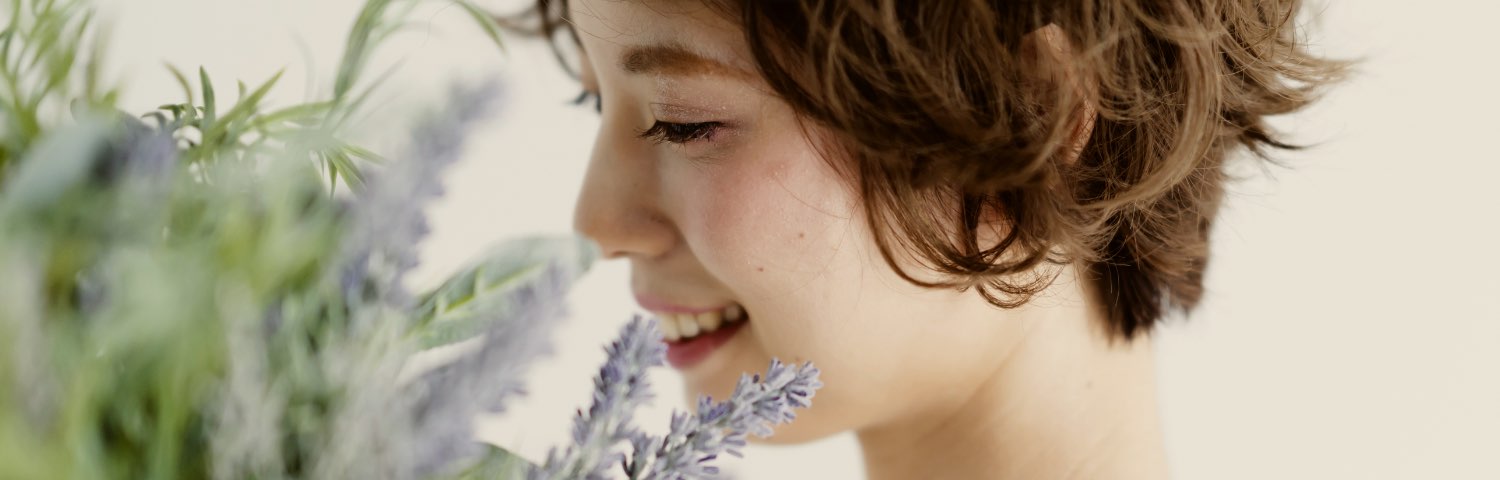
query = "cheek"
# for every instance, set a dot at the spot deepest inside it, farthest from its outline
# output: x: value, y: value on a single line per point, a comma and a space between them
x: 776, y: 225
x: 782, y: 231
x: 771, y: 217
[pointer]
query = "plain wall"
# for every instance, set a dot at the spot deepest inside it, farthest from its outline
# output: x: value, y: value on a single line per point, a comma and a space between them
x: 1352, y: 323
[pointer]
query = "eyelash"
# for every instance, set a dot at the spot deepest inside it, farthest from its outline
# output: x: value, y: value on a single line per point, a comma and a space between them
x: 678, y: 133
x: 583, y: 96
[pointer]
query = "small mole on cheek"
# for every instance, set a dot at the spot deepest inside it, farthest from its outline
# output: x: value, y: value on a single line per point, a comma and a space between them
x: 760, y: 269
x: 801, y: 235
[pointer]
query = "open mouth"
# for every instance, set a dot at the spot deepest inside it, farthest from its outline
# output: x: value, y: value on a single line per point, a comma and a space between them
x: 692, y: 337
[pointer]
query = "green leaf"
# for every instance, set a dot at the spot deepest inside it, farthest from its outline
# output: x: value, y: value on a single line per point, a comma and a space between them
x: 217, y: 133
x: 346, y: 108
x: 209, y: 110
x: 484, y: 20
x: 340, y: 164
x: 333, y: 174
x: 363, y: 154
x: 292, y: 114
x: 464, y: 305
x: 358, y: 45
x: 6, y: 38
x: 496, y: 462
x: 94, y: 68
x: 15, y: 16
x: 187, y: 87
x: 62, y: 59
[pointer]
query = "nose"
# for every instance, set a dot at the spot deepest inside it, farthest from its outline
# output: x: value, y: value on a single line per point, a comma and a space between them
x: 618, y: 207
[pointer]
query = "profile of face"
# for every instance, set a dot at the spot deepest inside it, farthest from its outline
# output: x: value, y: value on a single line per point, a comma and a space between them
x: 721, y: 201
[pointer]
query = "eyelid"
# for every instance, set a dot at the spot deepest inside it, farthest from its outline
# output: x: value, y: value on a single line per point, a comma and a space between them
x: 681, y: 114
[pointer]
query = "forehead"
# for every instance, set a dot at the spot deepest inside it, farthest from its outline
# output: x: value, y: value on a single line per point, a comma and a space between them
x: 612, y: 30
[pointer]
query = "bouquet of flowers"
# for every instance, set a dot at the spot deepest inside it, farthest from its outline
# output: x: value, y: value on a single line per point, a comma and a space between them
x: 190, y: 293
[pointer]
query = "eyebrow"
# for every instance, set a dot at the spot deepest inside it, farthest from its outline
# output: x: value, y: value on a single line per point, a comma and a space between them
x: 674, y: 60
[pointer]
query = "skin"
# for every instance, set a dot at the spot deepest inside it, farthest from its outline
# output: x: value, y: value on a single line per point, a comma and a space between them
x: 935, y: 383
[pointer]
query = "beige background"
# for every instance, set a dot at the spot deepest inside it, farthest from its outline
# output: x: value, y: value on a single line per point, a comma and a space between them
x: 1352, y: 327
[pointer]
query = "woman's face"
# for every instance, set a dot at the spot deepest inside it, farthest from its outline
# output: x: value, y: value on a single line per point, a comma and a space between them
x: 705, y: 182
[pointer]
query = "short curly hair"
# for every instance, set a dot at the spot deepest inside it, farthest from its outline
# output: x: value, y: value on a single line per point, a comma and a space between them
x: 936, y: 107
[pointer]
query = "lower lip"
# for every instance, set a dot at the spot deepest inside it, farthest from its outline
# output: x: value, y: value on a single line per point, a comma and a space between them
x: 684, y: 354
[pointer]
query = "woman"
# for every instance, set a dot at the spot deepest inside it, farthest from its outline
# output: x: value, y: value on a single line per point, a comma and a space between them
x: 969, y: 215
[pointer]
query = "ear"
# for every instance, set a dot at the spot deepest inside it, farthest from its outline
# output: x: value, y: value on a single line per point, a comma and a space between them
x: 1053, y: 78
x: 1058, y: 80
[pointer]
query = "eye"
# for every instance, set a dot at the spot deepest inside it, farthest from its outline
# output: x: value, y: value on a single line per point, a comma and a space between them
x: 585, y: 95
x: 681, y: 133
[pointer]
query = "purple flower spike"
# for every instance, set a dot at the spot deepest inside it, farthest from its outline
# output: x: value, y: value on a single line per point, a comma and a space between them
x: 694, y: 440
x: 619, y: 389
x: 753, y: 408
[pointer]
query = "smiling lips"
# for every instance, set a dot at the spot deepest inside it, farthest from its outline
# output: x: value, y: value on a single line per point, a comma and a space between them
x: 694, y: 333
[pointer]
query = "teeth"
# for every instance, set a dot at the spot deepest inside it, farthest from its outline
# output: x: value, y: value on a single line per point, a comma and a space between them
x: 682, y: 326
x: 687, y: 324
x: 668, y: 326
x: 709, y: 321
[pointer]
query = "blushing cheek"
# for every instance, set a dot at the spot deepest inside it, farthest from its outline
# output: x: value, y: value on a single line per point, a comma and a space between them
x: 731, y: 219
x: 772, y: 229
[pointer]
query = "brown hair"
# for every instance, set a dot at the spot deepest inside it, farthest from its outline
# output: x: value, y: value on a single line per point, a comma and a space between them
x: 965, y: 134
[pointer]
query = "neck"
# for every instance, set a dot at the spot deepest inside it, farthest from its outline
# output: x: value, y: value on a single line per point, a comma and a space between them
x: 1067, y: 403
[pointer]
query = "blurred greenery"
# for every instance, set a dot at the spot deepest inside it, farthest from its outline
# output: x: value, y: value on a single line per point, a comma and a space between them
x: 182, y: 295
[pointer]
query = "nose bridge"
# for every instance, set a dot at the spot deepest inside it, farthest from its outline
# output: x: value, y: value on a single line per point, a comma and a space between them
x: 617, y: 206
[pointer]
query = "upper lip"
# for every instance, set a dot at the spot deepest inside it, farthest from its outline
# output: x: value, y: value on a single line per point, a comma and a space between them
x: 656, y: 304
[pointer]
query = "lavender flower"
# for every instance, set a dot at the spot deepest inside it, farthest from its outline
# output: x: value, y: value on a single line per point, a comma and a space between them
x: 367, y: 434
x: 481, y: 381
x: 413, y: 432
x: 388, y: 215
x: 139, y: 151
x: 755, y: 405
x: 694, y: 439
x: 619, y: 389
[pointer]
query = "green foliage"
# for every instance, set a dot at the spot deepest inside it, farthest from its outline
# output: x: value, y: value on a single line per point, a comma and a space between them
x: 48, y: 56
x: 179, y: 297
x: 137, y: 307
